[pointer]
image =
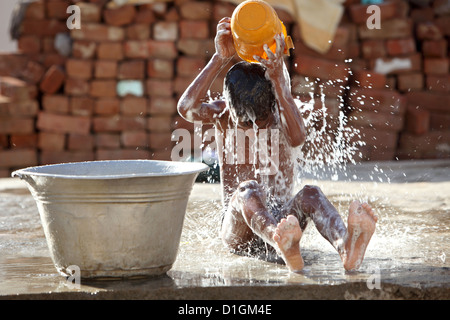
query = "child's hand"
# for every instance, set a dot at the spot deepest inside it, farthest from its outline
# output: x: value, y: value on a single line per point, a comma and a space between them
x: 224, y: 40
x: 274, y: 62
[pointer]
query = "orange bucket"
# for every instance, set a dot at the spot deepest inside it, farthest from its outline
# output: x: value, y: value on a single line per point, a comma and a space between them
x: 254, y: 23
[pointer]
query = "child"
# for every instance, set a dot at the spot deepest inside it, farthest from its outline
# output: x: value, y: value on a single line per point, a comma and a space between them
x: 262, y: 209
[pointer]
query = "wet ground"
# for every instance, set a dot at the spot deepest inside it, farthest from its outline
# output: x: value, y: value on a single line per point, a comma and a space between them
x: 408, y: 257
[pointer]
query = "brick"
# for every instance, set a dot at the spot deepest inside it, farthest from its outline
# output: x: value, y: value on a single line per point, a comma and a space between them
x: 51, y: 141
x: 138, y: 32
x: 432, y: 144
x: 145, y: 16
x: 76, y: 87
x: 103, y: 88
x: 160, y: 68
x: 35, y: 11
x: 369, y: 79
x: 131, y: 69
x: 43, y: 28
x: 52, y: 80
x: 107, y: 140
x: 428, y: 31
x: 436, y: 66
x: 439, y: 121
x: 380, y: 121
x: 381, y: 139
x: 376, y: 100
x: 16, y: 125
x: 25, y: 108
x: 194, y: 29
x: 165, y: 31
x: 57, y: 9
x: 33, y: 72
x: 162, y: 49
x: 433, y: 101
x: 410, y: 81
x: 82, y: 106
x: 438, y: 83
x: 196, y: 10
x: 110, y: 51
x: 162, y: 154
x: 417, y: 120
x: 51, y: 59
x: 320, y: 68
x: 29, y: 44
x: 120, y: 16
x: 162, y: 106
x: 122, y: 154
x: 434, y: 48
x: 90, y: 12
x: 105, y: 69
x: 443, y: 22
x: 373, y: 49
x: 80, y: 142
x: 160, y: 140
x: 17, y: 158
x: 24, y: 140
x: 107, y: 106
x: 159, y: 88
x: 82, y: 49
x: 181, y: 83
x: 359, y: 14
x: 136, y: 49
x: 118, y: 123
x: 196, y: 48
x: 79, y: 68
x: 56, y: 103
x: 391, y: 29
x: 398, y: 47
x: 159, y: 123
x: 63, y: 123
x: 422, y: 14
x: 134, y: 138
x: 17, y: 89
x: 98, y: 32
x: 131, y: 105
x: 53, y: 157
x: 190, y: 66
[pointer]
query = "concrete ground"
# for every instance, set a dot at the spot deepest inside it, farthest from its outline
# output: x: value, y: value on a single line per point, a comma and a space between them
x: 408, y: 257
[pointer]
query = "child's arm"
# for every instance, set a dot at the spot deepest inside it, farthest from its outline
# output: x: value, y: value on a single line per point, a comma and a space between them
x: 192, y: 105
x: 291, y: 120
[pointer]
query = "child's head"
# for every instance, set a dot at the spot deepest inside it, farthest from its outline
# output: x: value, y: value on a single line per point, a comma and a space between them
x: 250, y: 95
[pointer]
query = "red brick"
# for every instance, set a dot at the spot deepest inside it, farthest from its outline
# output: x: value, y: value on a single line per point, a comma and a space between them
x: 29, y: 44
x: 162, y: 49
x: 436, y: 66
x: 428, y: 31
x: 24, y: 140
x: 52, y: 157
x: 397, y: 47
x: 35, y: 11
x: 57, y: 9
x: 17, y: 158
x: 107, y: 140
x: 165, y: 31
x: 110, y: 50
x: 371, y: 49
x: 439, y: 121
x: 181, y: 83
x: 144, y: 16
x: 98, y: 32
x: 25, y: 108
x: 107, y: 106
x: 434, y: 48
x: 52, y: 80
x: 432, y: 101
x: 160, y: 68
x: 430, y: 145
x: 443, y: 22
x: 162, y: 154
x: 90, y: 12
x: 380, y: 121
x: 55, y: 103
x: 80, y: 142
x: 190, y: 66
x: 359, y: 14
x: 63, y: 123
x: 51, y: 141
x: 134, y: 138
x: 120, y: 16
x: 138, y: 32
x: 162, y: 105
x: 196, y: 48
x: 136, y: 49
x: 410, y: 81
x: 131, y: 105
x: 376, y: 100
x: 160, y: 140
x: 369, y: 79
x: 33, y: 72
x: 438, y: 83
x: 417, y: 120
x: 196, y: 10
x: 159, y: 88
x: 103, y: 88
x: 131, y: 69
x: 422, y: 14
x: 82, y: 106
x: 50, y: 59
x: 159, y: 123
x: 391, y: 29
x: 194, y: 29
x: 17, y: 89
x: 79, y: 68
x: 16, y: 125
x: 118, y: 123
x: 122, y: 154
x: 43, y: 28
x: 76, y: 87
x: 105, y: 69
x: 320, y: 68
x: 381, y: 139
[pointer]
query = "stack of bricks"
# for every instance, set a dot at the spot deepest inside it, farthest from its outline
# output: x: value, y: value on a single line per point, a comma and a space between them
x: 114, y: 94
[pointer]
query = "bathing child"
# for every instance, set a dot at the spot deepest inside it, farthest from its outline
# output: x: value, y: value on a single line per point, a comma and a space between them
x: 261, y: 212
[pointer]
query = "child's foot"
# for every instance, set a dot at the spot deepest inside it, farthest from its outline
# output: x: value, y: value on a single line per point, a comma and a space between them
x: 287, y: 237
x: 361, y: 226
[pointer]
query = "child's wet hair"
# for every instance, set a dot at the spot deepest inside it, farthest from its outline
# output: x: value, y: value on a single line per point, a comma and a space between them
x: 248, y: 91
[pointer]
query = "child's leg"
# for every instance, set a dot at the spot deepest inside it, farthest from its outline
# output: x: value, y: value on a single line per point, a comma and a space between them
x: 248, y: 217
x: 350, y: 243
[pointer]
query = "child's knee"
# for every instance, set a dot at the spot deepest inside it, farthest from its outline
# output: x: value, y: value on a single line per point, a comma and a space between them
x: 248, y: 189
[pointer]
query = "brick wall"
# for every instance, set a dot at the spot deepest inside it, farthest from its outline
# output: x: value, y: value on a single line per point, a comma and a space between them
x: 56, y: 108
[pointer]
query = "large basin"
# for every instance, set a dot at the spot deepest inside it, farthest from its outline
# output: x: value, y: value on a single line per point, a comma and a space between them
x: 120, y: 218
